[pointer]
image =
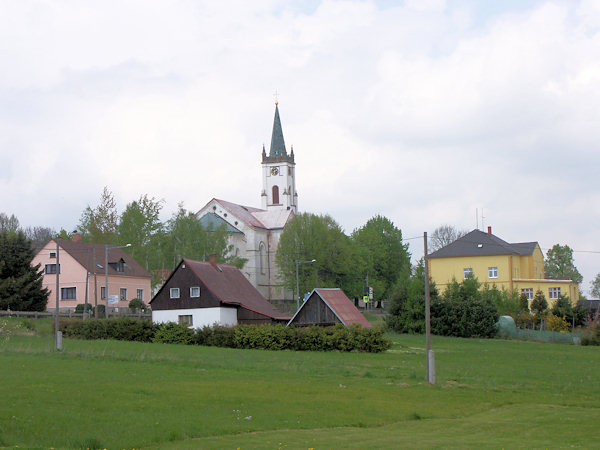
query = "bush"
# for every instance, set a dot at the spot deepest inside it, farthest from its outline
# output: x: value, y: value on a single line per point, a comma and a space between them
x: 123, y: 329
x: 556, y: 323
x: 173, y: 333
x: 463, y: 317
x: 136, y: 304
x: 81, y: 307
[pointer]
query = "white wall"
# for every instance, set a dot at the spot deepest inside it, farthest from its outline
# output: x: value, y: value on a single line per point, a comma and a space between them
x: 200, y: 316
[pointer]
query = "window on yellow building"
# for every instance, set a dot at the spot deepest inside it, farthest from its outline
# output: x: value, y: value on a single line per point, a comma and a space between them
x: 468, y: 272
x: 553, y: 293
x: 528, y: 292
x: 493, y: 272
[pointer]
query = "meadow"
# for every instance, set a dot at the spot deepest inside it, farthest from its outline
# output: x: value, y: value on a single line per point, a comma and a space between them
x: 108, y: 394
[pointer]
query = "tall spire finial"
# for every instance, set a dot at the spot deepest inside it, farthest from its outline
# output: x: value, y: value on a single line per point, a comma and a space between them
x: 276, y: 95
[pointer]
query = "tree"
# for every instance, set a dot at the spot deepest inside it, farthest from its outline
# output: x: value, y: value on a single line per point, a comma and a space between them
x: 384, y: 255
x: 444, y: 235
x: 140, y: 226
x: 407, y: 301
x: 559, y: 264
x: 595, y: 287
x: 309, y: 236
x: 523, y: 303
x: 8, y: 223
x: 100, y: 224
x: 563, y: 308
x: 39, y: 235
x: 539, y: 305
x: 20, y: 282
x: 185, y: 237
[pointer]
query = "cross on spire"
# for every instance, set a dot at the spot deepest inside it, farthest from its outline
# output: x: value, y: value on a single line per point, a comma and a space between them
x: 276, y: 95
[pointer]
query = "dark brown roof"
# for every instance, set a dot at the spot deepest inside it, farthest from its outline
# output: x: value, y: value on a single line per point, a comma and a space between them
x: 83, y: 253
x: 479, y: 243
x: 340, y: 305
x: 231, y: 287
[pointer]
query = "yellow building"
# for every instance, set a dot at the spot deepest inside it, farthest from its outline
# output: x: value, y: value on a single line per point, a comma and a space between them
x: 491, y: 260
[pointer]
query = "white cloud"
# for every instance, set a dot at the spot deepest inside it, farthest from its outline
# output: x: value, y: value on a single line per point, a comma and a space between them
x: 420, y: 111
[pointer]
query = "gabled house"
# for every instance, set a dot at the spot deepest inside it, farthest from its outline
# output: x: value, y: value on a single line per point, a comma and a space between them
x: 326, y: 307
x: 492, y: 260
x: 82, y: 274
x: 206, y: 293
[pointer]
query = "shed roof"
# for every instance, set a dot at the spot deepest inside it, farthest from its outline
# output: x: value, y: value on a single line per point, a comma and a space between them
x: 340, y: 305
x: 231, y: 287
x: 479, y: 243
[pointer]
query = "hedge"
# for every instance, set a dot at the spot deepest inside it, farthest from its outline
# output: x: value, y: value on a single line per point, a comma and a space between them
x: 277, y: 337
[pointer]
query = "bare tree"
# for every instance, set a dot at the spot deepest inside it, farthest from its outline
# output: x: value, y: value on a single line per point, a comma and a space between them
x: 444, y: 235
x: 8, y: 223
x: 39, y: 235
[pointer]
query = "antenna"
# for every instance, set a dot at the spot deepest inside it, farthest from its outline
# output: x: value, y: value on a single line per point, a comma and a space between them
x: 477, y: 218
x: 482, y: 217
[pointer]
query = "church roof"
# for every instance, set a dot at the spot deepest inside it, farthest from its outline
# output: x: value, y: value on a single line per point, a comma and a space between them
x: 255, y: 217
x: 277, y: 142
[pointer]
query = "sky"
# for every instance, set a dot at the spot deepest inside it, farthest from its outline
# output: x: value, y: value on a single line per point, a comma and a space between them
x: 428, y: 112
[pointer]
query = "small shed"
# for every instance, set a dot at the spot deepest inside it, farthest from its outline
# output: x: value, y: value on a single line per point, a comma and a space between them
x: 326, y: 307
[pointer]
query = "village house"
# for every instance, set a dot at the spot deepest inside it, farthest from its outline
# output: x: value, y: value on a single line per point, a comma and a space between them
x: 206, y: 293
x: 492, y: 260
x: 83, y: 275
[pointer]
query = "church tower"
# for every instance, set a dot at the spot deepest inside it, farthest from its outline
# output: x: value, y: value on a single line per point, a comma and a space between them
x: 279, y: 173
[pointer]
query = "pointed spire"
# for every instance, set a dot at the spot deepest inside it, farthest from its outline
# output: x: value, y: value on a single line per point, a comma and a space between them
x: 277, y: 142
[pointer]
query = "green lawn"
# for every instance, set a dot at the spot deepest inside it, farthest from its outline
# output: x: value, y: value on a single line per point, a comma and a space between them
x: 107, y: 394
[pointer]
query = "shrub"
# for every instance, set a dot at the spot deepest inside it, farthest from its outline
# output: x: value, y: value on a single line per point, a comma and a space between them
x: 173, y: 333
x: 215, y: 336
x: 123, y: 329
x: 556, y: 323
x: 81, y: 307
x: 136, y: 304
x: 463, y: 317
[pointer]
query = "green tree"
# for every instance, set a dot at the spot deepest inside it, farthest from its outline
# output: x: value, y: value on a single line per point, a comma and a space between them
x: 523, y: 303
x: 20, y: 282
x: 539, y: 305
x: 595, y: 287
x: 563, y: 308
x: 185, y: 237
x: 309, y: 236
x: 559, y: 264
x: 407, y: 301
x: 100, y: 224
x: 384, y: 256
x: 141, y: 227
x: 8, y: 223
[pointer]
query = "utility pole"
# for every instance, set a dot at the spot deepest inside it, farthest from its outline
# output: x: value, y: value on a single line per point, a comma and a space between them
x: 429, y: 352
x: 57, y: 334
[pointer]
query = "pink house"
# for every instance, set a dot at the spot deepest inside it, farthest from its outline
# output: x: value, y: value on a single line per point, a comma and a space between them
x: 83, y: 275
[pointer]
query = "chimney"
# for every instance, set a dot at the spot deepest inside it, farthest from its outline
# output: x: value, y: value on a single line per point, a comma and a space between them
x: 213, y: 259
x: 490, y: 231
x: 76, y: 237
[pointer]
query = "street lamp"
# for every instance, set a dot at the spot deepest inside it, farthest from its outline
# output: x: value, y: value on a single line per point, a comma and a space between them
x: 298, y: 262
x: 106, y: 248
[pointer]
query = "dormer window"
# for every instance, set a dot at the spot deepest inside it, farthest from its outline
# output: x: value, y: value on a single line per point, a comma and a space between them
x: 118, y: 266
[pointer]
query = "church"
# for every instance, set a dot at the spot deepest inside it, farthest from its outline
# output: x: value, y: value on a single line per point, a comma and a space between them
x: 254, y: 232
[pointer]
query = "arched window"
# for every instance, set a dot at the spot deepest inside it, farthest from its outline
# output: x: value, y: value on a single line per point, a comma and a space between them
x: 275, y: 195
x: 263, y: 257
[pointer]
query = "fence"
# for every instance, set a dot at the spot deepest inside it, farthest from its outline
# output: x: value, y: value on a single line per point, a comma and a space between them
x: 542, y: 336
x: 123, y: 312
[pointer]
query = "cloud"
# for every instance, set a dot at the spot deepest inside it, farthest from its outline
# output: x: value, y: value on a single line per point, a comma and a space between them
x: 419, y: 111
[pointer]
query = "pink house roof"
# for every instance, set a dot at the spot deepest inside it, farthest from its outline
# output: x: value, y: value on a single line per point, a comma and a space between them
x: 231, y: 287
x: 340, y: 305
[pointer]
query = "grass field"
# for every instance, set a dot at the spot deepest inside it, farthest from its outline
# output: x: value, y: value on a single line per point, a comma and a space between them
x: 107, y: 394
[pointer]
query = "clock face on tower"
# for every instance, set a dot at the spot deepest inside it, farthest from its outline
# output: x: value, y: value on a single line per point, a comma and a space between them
x: 274, y: 170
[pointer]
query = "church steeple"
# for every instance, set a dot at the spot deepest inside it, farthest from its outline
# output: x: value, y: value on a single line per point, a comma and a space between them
x: 277, y: 142
x: 279, y: 172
